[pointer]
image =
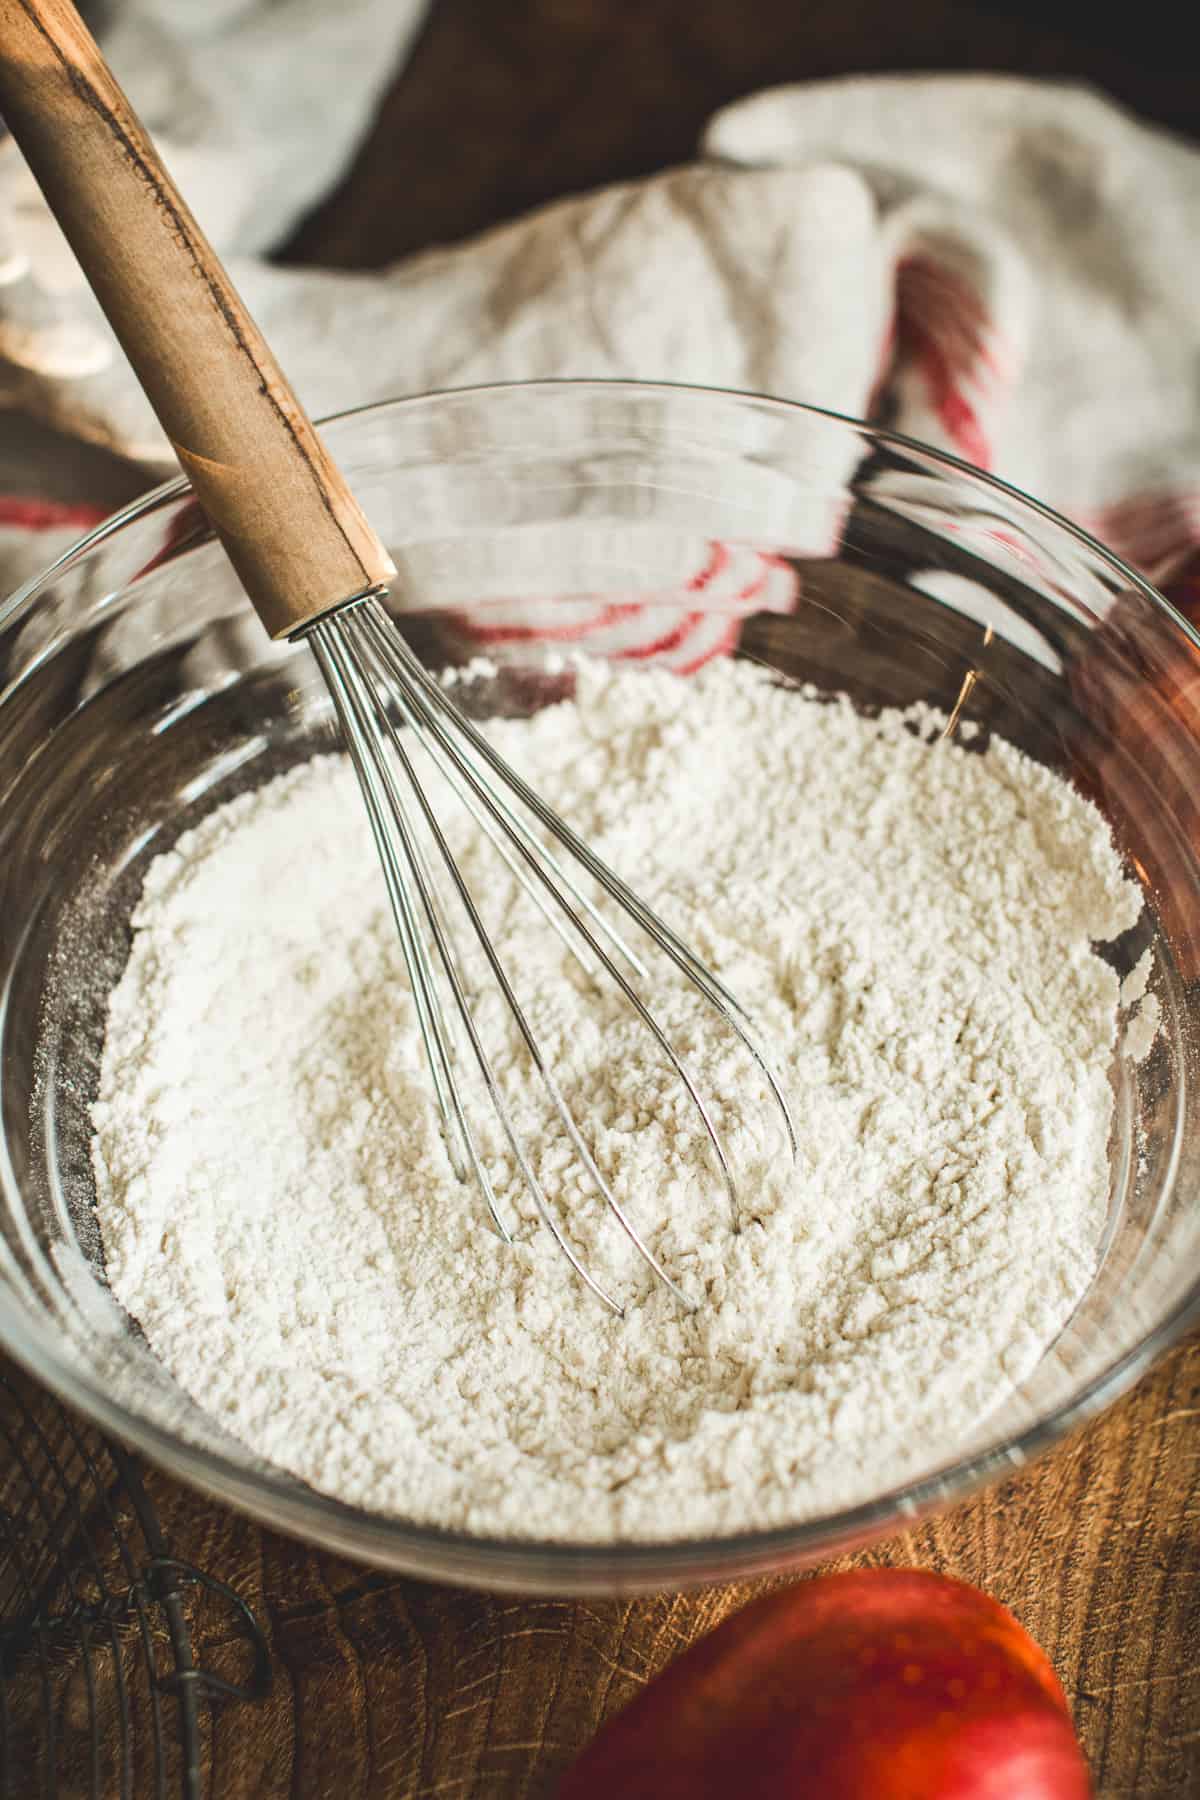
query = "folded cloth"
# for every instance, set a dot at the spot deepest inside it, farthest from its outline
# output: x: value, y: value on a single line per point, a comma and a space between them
x: 256, y: 105
x: 990, y: 264
x: 1043, y: 325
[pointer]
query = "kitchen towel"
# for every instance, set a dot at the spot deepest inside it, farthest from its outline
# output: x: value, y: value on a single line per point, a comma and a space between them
x: 1004, y: 268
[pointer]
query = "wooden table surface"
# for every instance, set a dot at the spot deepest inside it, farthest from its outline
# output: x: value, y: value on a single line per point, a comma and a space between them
x: 386, y: 1687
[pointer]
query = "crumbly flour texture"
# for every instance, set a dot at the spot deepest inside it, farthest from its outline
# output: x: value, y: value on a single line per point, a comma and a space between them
x: 913, y: 927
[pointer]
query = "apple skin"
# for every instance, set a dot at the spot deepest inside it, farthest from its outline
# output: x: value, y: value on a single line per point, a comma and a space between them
x: 878, y: 1684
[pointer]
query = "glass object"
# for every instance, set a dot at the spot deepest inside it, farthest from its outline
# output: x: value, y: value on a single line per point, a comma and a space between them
x: 138, y: 692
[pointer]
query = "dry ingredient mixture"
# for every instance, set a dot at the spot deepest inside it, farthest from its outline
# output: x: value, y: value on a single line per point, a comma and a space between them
x: 911, y: 924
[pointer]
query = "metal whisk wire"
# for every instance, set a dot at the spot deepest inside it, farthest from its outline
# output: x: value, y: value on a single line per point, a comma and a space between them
x: 374, y: 678
x: 314, y: 568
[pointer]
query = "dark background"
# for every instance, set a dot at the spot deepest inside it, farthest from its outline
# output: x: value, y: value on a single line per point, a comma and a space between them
x: 508, y: 103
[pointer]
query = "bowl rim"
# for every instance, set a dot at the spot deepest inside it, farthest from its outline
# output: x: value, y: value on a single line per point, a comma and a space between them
x: 546, y: 1566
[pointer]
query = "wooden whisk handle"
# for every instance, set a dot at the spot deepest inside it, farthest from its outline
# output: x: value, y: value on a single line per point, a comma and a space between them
x: 290, y: 524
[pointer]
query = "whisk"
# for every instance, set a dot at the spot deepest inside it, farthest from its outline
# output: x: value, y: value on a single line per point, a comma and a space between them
x: 315, y: 570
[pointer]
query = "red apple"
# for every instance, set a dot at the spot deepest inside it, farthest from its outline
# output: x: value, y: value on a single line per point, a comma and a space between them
x: 881, y: 1684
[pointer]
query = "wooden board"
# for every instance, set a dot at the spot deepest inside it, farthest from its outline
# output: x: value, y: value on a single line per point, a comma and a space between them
x: 390, y: 1689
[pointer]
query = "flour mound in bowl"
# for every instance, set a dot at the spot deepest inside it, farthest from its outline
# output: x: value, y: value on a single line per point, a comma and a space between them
x: 911, y: 925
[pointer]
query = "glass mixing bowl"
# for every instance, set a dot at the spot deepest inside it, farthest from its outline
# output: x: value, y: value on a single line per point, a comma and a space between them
x: 139, y: 692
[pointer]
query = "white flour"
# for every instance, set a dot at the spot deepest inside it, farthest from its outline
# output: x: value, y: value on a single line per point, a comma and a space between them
x: 912, y: 928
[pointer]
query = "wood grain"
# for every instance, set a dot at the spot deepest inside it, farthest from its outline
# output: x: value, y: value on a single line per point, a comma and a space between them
x: 287, y: 518
x: 392, y: 1690
x: 389, y: 1690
